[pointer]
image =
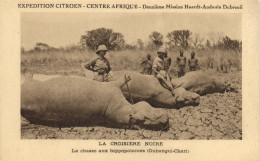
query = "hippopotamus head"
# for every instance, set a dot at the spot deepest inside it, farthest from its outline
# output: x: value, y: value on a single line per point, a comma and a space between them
x: 224, y: 86
x: 186, y: 98
x: 145, y: 116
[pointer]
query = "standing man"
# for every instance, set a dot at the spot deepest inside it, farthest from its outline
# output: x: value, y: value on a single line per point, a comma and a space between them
x: 100, y: 65
x: 193, y: 62
x: 167, y: 64
x: 159, y: 70
x: 147, y: 65
x: 181, y: 62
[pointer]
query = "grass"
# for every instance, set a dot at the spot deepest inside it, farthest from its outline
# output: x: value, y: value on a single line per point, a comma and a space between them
x: 68, y: 62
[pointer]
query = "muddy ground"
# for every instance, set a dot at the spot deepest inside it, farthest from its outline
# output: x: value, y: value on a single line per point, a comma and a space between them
x: 219, y: 116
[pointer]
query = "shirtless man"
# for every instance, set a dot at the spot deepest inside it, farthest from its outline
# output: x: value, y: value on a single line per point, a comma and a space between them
x: 167, y: 64
x: 193, y: 62
x: 147, y: 65
x: 181, y: 62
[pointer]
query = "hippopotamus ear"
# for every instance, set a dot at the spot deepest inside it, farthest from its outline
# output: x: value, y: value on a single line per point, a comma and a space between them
x: 229, y: 88
x: 226, y: 82
x: 227, y: 85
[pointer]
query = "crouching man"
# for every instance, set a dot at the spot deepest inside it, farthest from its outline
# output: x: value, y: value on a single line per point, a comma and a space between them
x: 159, y: 70
x: 100, y: 65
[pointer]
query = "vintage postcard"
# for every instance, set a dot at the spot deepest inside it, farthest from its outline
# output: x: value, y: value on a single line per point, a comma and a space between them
x: 132, y: 80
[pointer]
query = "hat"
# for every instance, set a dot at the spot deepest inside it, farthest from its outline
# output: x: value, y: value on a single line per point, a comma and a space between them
x: 162, y: 50
x: 101, y: 48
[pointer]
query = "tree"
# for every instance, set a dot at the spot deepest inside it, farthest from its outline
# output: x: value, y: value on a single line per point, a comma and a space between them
x: 173, y: 41
x: 112, y: 40
x: 227, y: 43
x: 215, y: 38
x: 156, y: 38
x: 179, y: 38
x: 39, y: 44
x: 42, y: 46
x: 116, y: 41
x: 130, y: 47
x: 197, y: 40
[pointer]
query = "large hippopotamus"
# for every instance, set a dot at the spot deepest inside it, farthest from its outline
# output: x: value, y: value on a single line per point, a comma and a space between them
x: 148, y: 88
x: 201, y: 83
x: 144, y: 88
x: 66, y: 101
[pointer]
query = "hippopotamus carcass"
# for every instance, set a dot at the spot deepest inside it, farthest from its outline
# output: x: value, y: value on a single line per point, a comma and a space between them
x: 201, y: 83
x: 145, y: 88
x: 148, y: 88
x: 76, y: 101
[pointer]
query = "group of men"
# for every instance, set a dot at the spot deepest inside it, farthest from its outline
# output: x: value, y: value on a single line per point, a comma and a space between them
x: 181, y: 62
x: 147, y: 64
x: 159, y: 66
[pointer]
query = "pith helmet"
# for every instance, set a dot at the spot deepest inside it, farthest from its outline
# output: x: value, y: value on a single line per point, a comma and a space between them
x: 101, y: 48
x: 162, y: 50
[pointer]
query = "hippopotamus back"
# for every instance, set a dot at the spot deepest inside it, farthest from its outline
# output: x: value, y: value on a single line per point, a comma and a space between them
x: 66, y: 98
x: 200, y: 83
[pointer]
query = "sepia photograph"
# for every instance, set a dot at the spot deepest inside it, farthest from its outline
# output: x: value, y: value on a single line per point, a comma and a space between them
x: 131, y: 76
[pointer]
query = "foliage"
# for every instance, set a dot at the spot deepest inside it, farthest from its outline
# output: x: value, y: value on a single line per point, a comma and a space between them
x: 229, y: 44
x: 217, y: 52
x: 41, y: 46
x: 215, y: 38
x: 179, y: 38
x: 156, y: 38
x: 68, y: 60
x: 130, y: 47
x: 197, y: 40
x: 112, y: 40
